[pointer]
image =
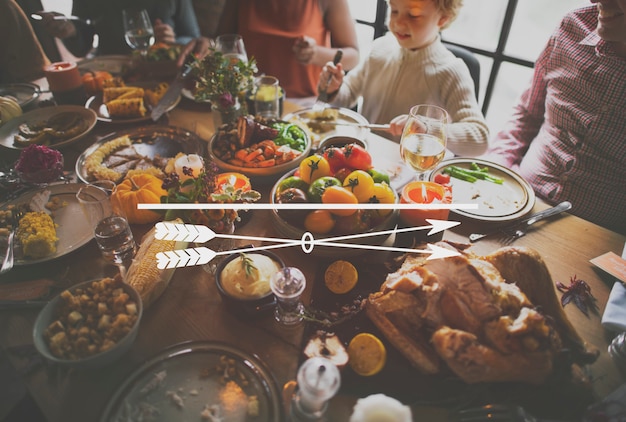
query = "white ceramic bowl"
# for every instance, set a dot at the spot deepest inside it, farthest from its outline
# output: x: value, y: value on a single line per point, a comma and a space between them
x: 49, y: 314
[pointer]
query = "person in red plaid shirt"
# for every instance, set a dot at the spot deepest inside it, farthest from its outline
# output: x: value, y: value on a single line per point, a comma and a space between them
x: 567, y: 137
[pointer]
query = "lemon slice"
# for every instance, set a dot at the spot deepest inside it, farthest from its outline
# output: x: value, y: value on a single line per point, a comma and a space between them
x: 341, y: 277
x: 367, y: 354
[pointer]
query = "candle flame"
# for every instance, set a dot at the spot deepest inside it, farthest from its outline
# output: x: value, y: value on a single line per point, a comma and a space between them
x: 424, y: 194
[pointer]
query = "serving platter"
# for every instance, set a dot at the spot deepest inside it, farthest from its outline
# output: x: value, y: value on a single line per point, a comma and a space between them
x: 151, y: 142
x: 319, y: 130
x: 11, y: 128
x: 182, y: 381
x: 508, y: 201
x: 73, y: 232
x: 114, y: 64
x: 24, y: 93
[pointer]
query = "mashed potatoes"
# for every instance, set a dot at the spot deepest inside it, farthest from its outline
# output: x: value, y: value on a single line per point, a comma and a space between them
x: 248, y: 276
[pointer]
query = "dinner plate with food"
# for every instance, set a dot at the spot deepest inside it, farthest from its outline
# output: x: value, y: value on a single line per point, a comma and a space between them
x: 198, y: 381
x: 260, y: 149
x: 25, y: 94
x: 54, y: 127
x: 331, y: 121
x: 128, y: 103
x: 49, y: 228
x: 114, y: 64
x: 500, y: 193
x: 146, y: 149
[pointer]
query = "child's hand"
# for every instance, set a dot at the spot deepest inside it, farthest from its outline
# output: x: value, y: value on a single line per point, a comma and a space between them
x: 304, y: 49
x: 163, y: 32
x: 335, y: 72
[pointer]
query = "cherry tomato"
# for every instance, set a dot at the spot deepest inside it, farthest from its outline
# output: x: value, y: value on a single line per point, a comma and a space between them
x: 292, y: 196
x: 358, y: 222
x: 342, y: 173
x: 339, y: 195
x: 357, y: 157
x: 313, y: 167
x: 382, y: 193
x: 442, y: 179
x: 379, y: 176
x: 317, y: 188
x: 292, y: 182
x: 360, y: 184
x: 319, y: 222
x: 336, y: 158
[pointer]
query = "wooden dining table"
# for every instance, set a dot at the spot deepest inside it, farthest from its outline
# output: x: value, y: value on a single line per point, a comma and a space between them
x: 191, y: 309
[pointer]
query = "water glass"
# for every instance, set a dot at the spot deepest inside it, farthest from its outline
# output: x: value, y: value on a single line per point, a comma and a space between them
x: 138, y: 31
x: 287, y: 286
x: 266, y: 97
x: 111, y: 230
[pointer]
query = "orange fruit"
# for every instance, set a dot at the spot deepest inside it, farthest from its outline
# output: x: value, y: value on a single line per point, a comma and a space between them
x: 367, y: 354
x: 341, y: 277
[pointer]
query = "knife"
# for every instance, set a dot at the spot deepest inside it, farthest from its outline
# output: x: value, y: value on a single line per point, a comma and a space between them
x: 173, y: 92
x: 359, y: 125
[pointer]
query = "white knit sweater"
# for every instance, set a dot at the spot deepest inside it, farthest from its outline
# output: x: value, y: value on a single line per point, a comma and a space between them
x: 393, y: 79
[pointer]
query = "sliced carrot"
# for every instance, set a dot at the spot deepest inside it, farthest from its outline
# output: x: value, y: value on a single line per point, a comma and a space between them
x: 241, y: 154
x: 251, y: 156
x: 265, y: 163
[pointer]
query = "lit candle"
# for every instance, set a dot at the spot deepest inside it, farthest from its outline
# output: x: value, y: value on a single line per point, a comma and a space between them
x: 65, y: 82
x: 424, y: 193
x: 193, y: 163
x: 237, y: 180
x: 380, y: 408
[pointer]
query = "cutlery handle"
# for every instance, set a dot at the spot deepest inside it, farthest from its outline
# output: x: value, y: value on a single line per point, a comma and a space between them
x: 563, y: 206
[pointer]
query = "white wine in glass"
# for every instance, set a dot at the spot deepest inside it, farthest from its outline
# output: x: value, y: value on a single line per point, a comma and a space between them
x: 423, y: 143
x: 232, y: 47
x: 138, y: 30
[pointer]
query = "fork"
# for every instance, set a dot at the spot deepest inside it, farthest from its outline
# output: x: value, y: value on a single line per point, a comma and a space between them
x: 322, y: 97
x: 7, y: 264
x: 517, y: 231
x: 498, y: 413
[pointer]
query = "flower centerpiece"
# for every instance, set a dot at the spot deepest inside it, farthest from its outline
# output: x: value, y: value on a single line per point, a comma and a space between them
x: 191, y: 180
x: 224, y: 83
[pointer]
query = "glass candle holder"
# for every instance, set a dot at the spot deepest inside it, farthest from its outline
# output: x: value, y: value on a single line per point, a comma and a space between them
x: 287, y: 286
x: 318, y: 381
x: 419, y: 192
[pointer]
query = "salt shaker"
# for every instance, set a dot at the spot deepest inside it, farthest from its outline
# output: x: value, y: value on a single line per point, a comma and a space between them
x: 287, y: 285
x: 318, y: 381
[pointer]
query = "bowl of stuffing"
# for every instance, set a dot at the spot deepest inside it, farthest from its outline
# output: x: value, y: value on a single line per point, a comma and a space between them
x: 89, y: 325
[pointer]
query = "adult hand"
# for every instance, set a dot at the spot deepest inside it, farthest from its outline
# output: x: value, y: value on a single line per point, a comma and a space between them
x: 60, y: 28
x: 199, y: 47
x: 335, y: 73
x: 396, y: 126
x: 304, y: 49
x: 163, y: 32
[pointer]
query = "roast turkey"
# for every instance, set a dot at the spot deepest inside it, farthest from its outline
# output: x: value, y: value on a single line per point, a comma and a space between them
x: 491, y: 318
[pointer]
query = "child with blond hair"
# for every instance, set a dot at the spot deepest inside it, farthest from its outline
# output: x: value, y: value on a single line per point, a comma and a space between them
x: 409, y: 66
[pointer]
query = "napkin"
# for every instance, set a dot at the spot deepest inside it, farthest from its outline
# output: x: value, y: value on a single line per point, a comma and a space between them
x: 614, y: 317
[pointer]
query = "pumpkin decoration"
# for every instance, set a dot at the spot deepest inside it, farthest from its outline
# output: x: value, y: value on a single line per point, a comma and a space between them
x: 93, y: 81
x: 136, y: 189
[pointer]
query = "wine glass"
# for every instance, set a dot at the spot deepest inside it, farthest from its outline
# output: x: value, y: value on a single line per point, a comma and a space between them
x: 138, y: 30
x: 232, y: 47
x: 423, y: 143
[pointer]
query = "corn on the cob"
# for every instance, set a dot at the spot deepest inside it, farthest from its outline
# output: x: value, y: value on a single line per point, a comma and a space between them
x: 125, y: 92
x: 131, y: 107
x: 37, y: 234
x: 154, y: 95
x: 143, y: 273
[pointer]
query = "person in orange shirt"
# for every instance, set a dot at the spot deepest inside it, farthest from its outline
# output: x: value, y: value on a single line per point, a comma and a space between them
x: 292, y: 40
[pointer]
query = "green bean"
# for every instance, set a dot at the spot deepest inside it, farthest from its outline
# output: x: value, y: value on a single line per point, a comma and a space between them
x: 459, y: 173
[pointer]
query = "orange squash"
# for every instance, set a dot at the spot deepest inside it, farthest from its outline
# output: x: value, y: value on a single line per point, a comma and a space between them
x: 139, y: 188
x: 93, y: 81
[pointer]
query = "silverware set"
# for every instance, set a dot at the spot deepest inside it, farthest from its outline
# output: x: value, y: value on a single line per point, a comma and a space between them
x: 7, y: 263
x: 511, y: 233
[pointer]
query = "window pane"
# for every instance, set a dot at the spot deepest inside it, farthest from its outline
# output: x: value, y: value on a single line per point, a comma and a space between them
x: 534, y: 22
x: 478, y: 24
x: 363, y: 9
x: 512, y: 80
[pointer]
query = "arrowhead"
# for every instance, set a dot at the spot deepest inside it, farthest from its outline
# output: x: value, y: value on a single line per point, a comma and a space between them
x: 441, y: 225
x: 204, y: 234
x: 206, y: 255
x: 438, y: 252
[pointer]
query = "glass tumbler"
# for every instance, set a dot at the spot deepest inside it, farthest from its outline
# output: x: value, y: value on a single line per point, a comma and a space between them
x: 266, y: 97
x: 287, y: 286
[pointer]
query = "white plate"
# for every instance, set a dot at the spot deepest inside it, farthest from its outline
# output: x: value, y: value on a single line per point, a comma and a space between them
x: 10, y: 129
x: 150, y: 141
x: 511, y: 200
x: 72, y: 230
x: 114, y: 64
x: 345, y: 116
x: 95, y: 103
x: 189, y: 370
